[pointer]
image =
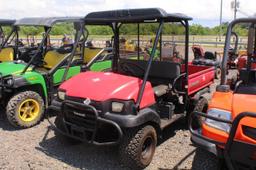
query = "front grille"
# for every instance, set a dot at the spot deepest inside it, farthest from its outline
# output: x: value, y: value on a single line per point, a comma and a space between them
x: 249, y: 131
x: 82, y: 117
x: 95, y: 104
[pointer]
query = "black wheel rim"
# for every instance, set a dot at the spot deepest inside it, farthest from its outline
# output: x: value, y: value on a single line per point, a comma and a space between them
x: 147, y: 149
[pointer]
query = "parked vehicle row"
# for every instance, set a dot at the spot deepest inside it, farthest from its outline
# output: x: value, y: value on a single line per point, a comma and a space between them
x: 125, y: 94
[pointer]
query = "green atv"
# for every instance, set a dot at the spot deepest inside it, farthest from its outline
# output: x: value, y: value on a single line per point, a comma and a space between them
x: 26, y: 89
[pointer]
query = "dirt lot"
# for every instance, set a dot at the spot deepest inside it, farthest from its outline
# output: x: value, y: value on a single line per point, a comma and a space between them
x: 38, y: 148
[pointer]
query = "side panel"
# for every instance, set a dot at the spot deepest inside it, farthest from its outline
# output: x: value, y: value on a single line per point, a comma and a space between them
x: 57, y: 76
x: 201, y: 79
x: 101, y: 65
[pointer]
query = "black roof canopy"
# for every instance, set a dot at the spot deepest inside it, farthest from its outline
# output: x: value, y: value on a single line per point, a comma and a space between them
x: 48, y: 22
x: 7, y: 22
x: 133, y: 15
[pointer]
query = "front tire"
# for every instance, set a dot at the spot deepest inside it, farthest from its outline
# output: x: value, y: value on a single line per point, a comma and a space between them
x: 204, y: 160
x: 138, y: 147
x: 201, y: 106
x: 25, y: 109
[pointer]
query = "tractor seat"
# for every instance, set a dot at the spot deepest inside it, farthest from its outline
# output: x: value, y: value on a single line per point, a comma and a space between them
x: 160, y: 90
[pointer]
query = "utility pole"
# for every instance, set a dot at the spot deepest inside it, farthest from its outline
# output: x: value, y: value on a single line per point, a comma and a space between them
x: 235, y: 5
x: 220, y: 33
x: 235, y: 9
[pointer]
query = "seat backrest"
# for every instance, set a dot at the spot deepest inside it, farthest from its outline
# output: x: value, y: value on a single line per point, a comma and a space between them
x: 7, y: 54
x: 161, y: 72
x: 52, y: 58
x: 90, y: 53
x: 198, y: 51
x: 247, y: 76
x: 209, y: 55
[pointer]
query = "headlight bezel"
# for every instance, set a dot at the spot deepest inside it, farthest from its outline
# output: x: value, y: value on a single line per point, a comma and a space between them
x: 127, y: 109
x: 8, y: 81
x: 61, y: 94
x: 219, y: 113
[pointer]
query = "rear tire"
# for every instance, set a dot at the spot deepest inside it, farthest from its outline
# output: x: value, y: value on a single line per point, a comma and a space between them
x: 25, y: 109
x: 204, y: 160
x: 59, y: 124
x: 138, y: 147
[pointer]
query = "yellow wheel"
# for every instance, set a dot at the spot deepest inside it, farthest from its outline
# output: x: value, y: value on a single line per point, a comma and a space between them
x: 25, y: 109
x: 29, y: 110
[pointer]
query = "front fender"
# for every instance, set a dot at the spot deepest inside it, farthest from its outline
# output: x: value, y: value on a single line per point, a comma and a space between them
x: 128, y: 121
x: 30, y: 78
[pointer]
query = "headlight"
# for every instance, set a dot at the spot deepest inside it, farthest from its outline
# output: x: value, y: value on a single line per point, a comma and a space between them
x: 61, y: 95
x: 223, y: 114
x: 117, y: 107
x: 8, y: 81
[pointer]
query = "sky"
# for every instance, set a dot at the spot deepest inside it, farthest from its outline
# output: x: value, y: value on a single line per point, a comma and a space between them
x: 204, y: 12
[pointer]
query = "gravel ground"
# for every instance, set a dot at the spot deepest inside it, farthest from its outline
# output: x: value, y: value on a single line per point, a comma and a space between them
x: 38, y: 148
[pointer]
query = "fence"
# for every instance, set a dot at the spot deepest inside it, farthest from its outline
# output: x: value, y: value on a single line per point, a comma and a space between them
x: 208, y: 41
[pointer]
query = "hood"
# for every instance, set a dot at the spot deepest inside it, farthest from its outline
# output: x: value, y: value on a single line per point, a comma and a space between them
x: 102, y: 86
x: 8, y: 68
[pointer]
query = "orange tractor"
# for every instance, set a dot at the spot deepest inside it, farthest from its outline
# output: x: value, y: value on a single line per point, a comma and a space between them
x: 226, y: 133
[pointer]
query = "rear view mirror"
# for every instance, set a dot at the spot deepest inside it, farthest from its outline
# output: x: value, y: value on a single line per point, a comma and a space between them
x: 251, y: 38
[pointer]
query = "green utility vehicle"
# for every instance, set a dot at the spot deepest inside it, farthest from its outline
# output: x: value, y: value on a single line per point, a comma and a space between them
x: 27, y: 88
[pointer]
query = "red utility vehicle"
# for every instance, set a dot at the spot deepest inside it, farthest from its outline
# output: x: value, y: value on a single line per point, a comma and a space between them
x: 133, y: 103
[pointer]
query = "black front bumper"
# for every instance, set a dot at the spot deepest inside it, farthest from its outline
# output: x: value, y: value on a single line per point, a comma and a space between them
x: 86, y: 123
x: 199, y: 142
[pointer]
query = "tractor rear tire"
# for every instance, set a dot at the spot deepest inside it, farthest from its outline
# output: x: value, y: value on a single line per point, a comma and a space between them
x: 25, y: 109
x: 204, y: 160
x: 59, y: 125
x: 138, y: 147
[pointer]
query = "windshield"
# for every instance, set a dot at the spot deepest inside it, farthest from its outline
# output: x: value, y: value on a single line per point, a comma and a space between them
x: 46, y: 47
x: 4, y: 32
x: 99, y: 43
x: 136, y: 42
